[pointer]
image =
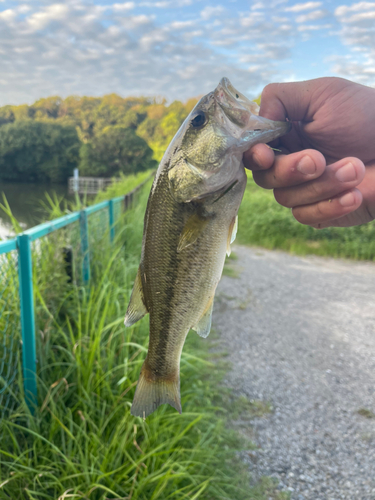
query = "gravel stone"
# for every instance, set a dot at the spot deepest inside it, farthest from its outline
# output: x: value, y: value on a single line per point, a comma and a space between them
x: 300, y: 332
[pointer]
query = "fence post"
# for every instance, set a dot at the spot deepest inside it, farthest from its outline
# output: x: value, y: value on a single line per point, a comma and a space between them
x: 25, y: 269
x: 85, y: 246
x: 111, y: 212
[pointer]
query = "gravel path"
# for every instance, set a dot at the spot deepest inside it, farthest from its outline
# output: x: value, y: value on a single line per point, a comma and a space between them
x: 300, y: 332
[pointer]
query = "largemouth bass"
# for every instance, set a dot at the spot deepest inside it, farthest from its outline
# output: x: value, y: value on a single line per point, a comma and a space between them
x: 190, y: 222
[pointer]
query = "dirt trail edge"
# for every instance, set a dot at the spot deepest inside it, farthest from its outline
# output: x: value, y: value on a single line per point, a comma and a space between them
x: 300, y: 332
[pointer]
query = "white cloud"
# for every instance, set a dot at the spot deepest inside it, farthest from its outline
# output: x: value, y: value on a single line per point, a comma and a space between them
x: 82, y: 48
x: 258, y: 5
x: 53, y: 12
x: 358, y: 33
x: 120, y: 7
x: 314, y: 27
x: 342, y: 10
x: 299, y: 7
x: 8, y: 15
x: 78, y: 47
x: 312, y: 16
x: 209, y: 12
x: 177, y: 25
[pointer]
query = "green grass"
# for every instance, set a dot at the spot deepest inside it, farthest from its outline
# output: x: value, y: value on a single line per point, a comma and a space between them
x: 263, y: 222
x: 229, y: 270
x: 82, y: 441
x: 125, y: 185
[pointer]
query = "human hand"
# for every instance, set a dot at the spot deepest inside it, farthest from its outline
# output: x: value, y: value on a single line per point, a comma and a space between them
x: 327, y: 175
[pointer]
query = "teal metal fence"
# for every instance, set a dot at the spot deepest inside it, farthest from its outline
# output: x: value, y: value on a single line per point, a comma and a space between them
x: 87, y: 227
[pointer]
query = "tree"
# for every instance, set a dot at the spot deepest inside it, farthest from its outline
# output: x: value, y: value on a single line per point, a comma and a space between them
x: 151, y: 119
x: 115, y: 149
x: 35, y: 151
x: 6, y: 115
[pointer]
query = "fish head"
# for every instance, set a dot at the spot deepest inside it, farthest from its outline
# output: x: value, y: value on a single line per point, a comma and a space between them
x: 206, y: 154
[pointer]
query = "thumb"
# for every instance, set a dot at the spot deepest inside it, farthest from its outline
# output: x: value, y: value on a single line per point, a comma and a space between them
x: 292, y: 100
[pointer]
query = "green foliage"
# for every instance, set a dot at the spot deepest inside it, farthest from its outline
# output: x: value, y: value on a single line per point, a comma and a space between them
x: 264, y: 222
x: 111, y: 131
x: 82, y: 441
x: 123, y: 186
x: 161, y: 125
x: 6, y: 115
x: 34, y: 151
x: 115, y: 150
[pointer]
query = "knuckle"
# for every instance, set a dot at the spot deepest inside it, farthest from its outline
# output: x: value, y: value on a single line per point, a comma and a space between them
x: 312, y: 215
x: 260, y: 179
x: 282, y: 198
x: 268, y: 90
x: 319, y: 211
x: 315, y: 190
x: 298, y: 214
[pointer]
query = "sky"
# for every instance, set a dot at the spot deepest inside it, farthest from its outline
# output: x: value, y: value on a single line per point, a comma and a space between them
x: 178, y: 48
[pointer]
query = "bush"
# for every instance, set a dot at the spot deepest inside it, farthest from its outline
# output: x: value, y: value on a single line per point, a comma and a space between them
x: 35, y: 151
x: 113, y: 151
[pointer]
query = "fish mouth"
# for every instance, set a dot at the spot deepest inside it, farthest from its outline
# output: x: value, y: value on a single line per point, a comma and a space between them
x: 243, y: 116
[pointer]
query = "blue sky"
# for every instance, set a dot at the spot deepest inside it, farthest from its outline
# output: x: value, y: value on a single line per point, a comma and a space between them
x: 178, y: 48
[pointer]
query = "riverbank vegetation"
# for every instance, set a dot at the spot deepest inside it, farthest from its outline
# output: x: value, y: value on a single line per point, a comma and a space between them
x: 102, y: 136
x: 82, y: 441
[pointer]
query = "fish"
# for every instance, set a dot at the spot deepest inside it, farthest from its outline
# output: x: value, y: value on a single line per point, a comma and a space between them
x: 190, y: 223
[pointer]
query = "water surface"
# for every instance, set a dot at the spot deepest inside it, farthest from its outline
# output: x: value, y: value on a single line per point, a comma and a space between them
x: 26, y: 203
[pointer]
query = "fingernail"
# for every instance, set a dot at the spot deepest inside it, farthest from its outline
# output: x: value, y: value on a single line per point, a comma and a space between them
x: 347, y: 200
x: 306, y: 166
x: 346, y: 173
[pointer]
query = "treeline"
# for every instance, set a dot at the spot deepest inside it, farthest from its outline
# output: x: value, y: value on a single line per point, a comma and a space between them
x: 102, y: 136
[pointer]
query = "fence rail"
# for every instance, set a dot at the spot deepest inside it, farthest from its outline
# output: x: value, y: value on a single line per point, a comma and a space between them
x: 17, y: 252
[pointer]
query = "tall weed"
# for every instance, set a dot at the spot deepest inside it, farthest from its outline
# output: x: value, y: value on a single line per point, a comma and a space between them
x: 82, y: 441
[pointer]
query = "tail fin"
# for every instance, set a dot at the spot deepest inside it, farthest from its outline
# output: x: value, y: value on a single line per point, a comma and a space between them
x: 151, y: 393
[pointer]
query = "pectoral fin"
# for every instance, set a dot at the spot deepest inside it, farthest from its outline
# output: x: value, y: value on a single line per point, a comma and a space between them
x: 204, y: 325
x: 193, y: 228
x: 232, y: 233
x: 136, y: 308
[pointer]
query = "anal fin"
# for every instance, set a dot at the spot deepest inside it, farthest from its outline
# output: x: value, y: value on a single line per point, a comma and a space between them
x: 136, y: 308
x: 204, y: 325
x: 232, y: 233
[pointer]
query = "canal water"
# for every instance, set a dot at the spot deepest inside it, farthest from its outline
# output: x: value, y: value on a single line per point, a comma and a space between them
x: 26, y: 203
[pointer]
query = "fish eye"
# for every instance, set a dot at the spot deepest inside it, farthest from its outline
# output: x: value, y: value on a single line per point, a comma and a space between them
x: 237, y: 96
x: 199, y: 120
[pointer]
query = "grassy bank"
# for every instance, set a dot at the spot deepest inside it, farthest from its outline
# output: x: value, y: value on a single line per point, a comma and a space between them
x: 265, y: 223
x: 82, y: 442
x: 124, y: 185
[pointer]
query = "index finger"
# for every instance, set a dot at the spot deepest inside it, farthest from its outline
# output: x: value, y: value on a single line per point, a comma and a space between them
x: 259, y: 157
